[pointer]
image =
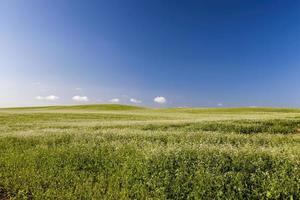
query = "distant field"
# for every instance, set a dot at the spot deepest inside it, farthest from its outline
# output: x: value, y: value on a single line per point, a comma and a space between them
x: 127, y: 152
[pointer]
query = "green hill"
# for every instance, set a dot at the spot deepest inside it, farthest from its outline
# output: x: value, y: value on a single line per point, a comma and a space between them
x: 191, y: 110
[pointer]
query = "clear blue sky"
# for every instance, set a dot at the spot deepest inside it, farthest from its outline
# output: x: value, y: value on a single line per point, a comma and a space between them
x: 192, y: 53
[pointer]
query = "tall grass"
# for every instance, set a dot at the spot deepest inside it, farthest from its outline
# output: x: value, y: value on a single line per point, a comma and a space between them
x: 148, y: 154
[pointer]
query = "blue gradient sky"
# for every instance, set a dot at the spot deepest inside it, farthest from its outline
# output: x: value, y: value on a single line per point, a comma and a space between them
x: 193, y: 53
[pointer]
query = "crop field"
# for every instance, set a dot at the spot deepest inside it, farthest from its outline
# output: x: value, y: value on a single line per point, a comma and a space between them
x: 127, y: 152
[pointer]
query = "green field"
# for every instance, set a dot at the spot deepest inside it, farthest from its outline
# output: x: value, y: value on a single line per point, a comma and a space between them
x: 126, y: 152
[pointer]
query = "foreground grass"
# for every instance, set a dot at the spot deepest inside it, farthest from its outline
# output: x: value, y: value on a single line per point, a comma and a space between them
x: 107, y: 152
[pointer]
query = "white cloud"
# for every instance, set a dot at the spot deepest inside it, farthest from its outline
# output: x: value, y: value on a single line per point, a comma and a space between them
x: 80, y: 98
x: 51, y: 97
x: 78, y: 89
x: 47, y: 98
x: 160, y: 100
x: 115, y: 100
x: 135, y: 100
x: 220, y: 104
x: 39, y: 98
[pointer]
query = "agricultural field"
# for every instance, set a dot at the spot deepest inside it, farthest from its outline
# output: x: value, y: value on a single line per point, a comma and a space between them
x: 127, y: 152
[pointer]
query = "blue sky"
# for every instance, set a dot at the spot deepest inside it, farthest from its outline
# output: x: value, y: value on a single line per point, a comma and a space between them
x: 186, y: 53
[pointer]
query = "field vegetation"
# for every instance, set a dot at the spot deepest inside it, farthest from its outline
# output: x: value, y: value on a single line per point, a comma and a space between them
x: 127, y: 152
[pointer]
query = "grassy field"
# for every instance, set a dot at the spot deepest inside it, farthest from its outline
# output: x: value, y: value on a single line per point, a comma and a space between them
x: 126, y: 152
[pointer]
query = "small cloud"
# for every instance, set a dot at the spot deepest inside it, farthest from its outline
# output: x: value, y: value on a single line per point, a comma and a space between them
x: 39, y: 98
x: 115, y: 100
x: 220, y: 104
x: 47, y: 98
x: 78, y: 89
x: 80, y: 98
x: 51, y: 97
x: 135, y: 100
x: 160, y: 100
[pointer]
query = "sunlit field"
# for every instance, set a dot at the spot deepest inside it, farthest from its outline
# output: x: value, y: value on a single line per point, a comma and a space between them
x: 126, y: 152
